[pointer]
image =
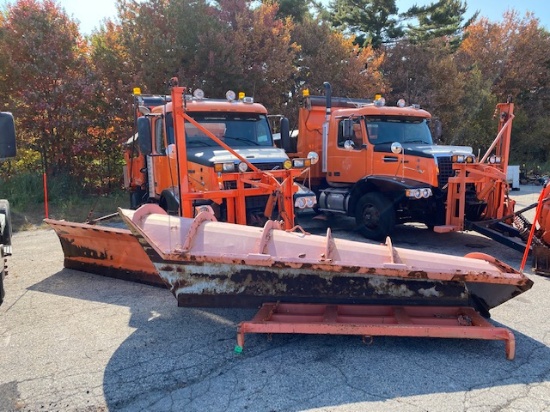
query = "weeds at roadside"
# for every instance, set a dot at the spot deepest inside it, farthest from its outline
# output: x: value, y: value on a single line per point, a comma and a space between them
x: 66, y: 200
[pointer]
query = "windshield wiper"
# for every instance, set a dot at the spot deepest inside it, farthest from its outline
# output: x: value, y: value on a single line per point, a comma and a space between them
x: 416, y: 141
x: 240, y: 139
x: 199, y: 143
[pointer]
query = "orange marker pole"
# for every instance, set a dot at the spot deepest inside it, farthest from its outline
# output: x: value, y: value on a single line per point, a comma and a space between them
x: 45, y: 195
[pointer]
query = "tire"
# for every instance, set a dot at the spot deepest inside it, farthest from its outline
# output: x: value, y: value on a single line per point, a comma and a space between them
x: 375, y: 216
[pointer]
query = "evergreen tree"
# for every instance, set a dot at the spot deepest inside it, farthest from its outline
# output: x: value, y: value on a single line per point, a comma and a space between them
x: 374, y: 22
x: 442, y: 19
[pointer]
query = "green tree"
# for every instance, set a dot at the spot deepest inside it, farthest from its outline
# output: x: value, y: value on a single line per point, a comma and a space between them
x: 373, y: 22
x: 426, y: 75
x: 443, y: 18
x: 296, y: 9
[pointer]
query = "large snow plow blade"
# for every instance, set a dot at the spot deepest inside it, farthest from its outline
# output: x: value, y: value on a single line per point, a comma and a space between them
x: 104, y: 250
x: 210, y: 263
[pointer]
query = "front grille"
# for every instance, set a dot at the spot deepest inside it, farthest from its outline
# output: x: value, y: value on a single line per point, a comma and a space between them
x: 269, y: 166
x: 445, y: 170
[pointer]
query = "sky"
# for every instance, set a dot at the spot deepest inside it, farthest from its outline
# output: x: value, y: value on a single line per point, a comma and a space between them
x: 91, y: 13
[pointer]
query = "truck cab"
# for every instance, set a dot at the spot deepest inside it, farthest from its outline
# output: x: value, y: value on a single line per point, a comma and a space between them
x: 213, y: 126
x: 379, y: 164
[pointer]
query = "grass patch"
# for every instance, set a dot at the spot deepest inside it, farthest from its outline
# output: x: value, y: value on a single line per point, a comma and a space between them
x: 74, y: 209
x: 66, y: 200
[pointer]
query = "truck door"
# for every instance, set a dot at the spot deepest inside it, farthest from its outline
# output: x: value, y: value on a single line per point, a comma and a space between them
x: 347, y: 159
x: 158, y: 162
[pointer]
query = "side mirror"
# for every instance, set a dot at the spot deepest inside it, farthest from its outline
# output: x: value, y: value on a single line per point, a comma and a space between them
x: 286, y: 144
x: 144, y: 135
x: 7, y: 135
x: 347, y: 129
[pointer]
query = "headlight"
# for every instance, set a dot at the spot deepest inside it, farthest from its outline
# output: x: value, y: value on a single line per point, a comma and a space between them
x: 422, y: 193
x: 305, y: 201
x: 224, y: 167
x: 458, y: 159
x: 495, y: 159
x: 426, y: 193
x: 300, y: 203
x: 243, y: 167
x: 298, y: 163
x: 462, y: 159
x: 301, y: 163
x: 287, y: 164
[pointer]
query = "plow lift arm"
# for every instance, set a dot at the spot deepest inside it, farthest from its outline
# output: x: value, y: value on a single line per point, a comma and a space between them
x: 278, y: 184
x: 487, y: 178
x: 263, y: 181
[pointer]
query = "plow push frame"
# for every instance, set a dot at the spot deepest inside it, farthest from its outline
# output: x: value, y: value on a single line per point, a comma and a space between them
x: 374, y: 320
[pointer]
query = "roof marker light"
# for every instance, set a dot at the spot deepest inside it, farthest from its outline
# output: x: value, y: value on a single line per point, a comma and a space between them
x: 198, y: 94
x: 230, y: 95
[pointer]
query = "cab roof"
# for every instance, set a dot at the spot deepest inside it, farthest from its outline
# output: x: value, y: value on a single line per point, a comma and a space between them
x: 215, y: 105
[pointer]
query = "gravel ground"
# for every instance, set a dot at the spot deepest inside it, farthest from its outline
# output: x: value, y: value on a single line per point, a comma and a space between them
x: 72, y: 341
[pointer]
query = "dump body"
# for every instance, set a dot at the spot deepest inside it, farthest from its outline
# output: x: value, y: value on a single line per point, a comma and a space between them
x: 210, y: 263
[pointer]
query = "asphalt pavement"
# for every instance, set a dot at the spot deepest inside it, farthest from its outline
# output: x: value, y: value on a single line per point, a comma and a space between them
x: 72, y: 341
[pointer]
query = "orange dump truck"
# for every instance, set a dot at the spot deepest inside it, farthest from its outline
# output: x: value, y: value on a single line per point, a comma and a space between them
x: 219, y: 139
x: 380, y: 165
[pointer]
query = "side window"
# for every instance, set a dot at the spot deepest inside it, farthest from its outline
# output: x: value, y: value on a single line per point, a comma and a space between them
x: 159, y: 136
x: 372, y: 131
x: 262, y: 132
x: 356, y: 135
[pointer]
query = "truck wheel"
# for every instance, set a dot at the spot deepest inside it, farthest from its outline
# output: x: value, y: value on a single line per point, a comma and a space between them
x: 375, y: 216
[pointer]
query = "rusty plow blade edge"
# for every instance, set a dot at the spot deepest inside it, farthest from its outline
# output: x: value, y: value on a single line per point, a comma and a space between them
x: 210, y: 263
x: 106, y: 251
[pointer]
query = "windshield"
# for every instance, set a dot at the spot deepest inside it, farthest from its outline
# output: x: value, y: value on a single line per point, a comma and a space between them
x: 389, y: 129
x: 234, y: 129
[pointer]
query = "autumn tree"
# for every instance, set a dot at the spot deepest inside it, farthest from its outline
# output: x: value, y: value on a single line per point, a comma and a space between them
x: 255, y: 54
x: 428, y: 76
x: 214, y: 46
x: 46, y: 82
x: 512, y: 59
x: 111, y: 104
x: 148, y: 34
